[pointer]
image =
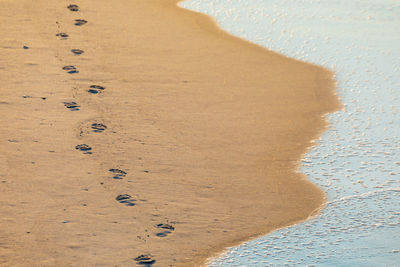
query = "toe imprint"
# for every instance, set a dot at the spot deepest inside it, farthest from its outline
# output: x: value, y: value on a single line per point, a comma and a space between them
x: 73, y: 7
x: 98, y: 127
x: 126, y: 199
x: 80, y: 22
x: 77, y: 51
x: 165, y: 226
x: 73, y: 106
x: 70, y: 69
x: 63, y: 35
x: 145, y: 259
x: 167, y: 229
x: 118, y: 174
x: 84, y: 147
x: 96, y: 89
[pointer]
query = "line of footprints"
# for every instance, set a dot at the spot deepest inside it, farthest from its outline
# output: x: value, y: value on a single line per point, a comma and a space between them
x: 117, y: 174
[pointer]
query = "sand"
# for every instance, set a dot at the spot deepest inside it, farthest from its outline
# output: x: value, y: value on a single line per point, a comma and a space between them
x: 208, y: 128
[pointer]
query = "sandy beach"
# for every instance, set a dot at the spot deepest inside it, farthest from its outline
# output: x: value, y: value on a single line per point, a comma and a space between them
x: 136, y: 128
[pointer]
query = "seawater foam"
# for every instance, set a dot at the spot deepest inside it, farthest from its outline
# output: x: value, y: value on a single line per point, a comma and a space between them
x: 357, y: 161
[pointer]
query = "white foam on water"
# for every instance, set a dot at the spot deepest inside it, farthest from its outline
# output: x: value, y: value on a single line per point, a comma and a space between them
x: 357, y: 160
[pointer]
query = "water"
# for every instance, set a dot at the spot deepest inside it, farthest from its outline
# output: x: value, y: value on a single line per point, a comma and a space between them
x: 357, y: 161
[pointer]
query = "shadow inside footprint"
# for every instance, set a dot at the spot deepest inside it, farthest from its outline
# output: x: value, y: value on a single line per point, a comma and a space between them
x: 98, y: 127
x: 70, y: 69
x: 80, y: 22
x: 145, y: 259
x: 84, y: 147
x: 126, y: 199
x: 63, y: 35
x: 167, y: 229
x: 118, y: 174
x: 96, y: 89
x: 73, y: 106
x: 73, y: 7
x: 77, y: 51
x: 163, y: 234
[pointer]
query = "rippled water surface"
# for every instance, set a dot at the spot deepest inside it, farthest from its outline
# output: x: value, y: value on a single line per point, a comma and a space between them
x: 357, y: 161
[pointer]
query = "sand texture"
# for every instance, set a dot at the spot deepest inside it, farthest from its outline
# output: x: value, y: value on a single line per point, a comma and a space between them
x: 202, y: 130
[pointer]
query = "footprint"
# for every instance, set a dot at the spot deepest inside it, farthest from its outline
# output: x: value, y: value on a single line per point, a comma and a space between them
x: 73, y: 7
x: 126, y: 199
x: 167, y: 229
x: 63, y: 35
x: 70, y: 69
x: 118, y: 174
x: 77, y: 51
x: 96, y: 89
x: 80, y: 22
x: 73, y: 106
x: 163, y: 234
x: 145, y: 259
x: 84, y: 147
x: 28, y: 96
x: 98, y: 127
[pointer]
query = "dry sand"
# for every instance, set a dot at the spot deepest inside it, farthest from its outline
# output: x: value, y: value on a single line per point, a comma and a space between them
x: 208, y: 127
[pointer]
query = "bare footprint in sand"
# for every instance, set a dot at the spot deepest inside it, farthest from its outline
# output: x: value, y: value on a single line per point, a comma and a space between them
x: 98, y: 127
x: 73, y: 8
x: 84, y: 147
x: 62, y: 35
x: 145, y: 259
x: 70, y: 69
x: 77, y: 51
x: 126, y: 199
x: 167, y: 229
x: 118, y: 174
x: 80, y: 22
x: 96, y: 89
x: 73, y: 106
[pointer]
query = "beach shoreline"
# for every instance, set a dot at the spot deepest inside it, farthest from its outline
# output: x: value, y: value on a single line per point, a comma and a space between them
x: 356, y: 158
x: 207, y: 130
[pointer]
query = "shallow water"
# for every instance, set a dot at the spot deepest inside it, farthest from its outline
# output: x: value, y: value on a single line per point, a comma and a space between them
x: 357, y: 161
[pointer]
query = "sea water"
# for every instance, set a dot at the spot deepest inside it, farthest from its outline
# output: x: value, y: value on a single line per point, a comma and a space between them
x: 357, y: 160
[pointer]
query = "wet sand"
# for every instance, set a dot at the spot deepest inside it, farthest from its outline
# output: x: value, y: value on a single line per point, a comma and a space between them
x: 193, y: 136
